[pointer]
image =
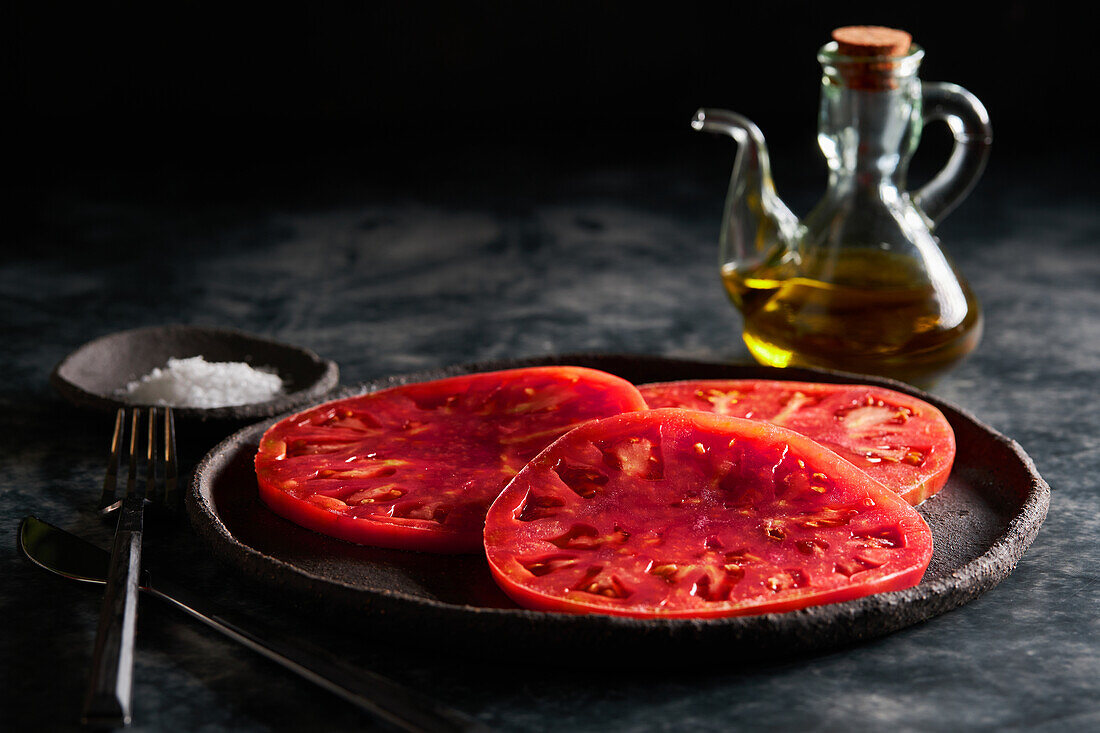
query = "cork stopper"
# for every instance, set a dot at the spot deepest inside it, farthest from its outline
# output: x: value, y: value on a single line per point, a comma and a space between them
x: 875, y: 43
x: 871, y: 40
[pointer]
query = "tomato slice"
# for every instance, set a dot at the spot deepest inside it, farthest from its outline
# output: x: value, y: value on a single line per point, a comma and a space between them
x: 902, y: 441
x: 415, y: 467
x: 672, y: 513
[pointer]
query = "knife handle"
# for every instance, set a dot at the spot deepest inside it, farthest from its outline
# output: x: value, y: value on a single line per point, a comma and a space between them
x: 402, y: 707
x: 110, y: 689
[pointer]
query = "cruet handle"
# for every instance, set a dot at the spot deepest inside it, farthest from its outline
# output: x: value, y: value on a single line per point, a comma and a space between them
x: 969, y: 124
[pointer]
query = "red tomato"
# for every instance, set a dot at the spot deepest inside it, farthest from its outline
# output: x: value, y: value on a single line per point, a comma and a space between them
x: 415, y: 467
x: 902, y: 441
x: 667, y: 513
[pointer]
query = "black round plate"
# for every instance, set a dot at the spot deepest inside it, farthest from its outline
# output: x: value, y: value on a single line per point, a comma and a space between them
x: 982, y: 521
x: 92, y: 375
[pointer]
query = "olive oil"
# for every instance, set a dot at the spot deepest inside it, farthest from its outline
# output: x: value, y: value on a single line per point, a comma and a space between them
x: 860, y: 283
x: 861, y: 310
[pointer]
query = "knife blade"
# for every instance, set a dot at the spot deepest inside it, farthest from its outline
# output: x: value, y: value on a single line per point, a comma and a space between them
x: 70, y: 556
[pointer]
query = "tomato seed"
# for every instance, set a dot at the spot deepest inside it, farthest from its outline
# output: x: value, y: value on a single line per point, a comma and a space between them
x: 873, y: 557
x: 540, y: 507
x: 734, y: 573
x: 546, y: 565
x: 812, y: 547
x: 702, y: 588
x: 826, y: 518
x: 741, y: 557
x: 380, y: 493
x: 583, y: 481
x: 667, y: 571
x: 848, y: 568
x: 578, y: 537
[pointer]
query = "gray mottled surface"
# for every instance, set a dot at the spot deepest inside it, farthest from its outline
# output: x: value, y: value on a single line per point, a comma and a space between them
x: 611, y: 258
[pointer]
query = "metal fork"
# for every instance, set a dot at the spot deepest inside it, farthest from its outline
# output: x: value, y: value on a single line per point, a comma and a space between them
x: 110, y: 689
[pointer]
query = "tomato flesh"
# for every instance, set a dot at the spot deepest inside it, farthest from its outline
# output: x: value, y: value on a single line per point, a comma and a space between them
x: 902, y: 441
x: 416, y: 466
x: 673, y: 513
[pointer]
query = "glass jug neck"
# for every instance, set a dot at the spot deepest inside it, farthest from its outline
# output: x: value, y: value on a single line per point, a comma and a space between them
x: 870, y: 116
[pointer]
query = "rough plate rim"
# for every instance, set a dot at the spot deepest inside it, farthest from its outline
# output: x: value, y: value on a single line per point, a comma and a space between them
x: 814, y: 628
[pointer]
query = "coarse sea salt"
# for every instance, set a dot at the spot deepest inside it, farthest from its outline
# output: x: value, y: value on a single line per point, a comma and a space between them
x: 195, y: 382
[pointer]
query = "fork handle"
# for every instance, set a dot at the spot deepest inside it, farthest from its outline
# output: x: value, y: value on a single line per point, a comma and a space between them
x: 110, y: 689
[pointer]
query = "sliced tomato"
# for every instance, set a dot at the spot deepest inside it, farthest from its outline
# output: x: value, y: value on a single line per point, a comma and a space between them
x: 415, y: 467
x: 902, y: 441
x: 672, y: 513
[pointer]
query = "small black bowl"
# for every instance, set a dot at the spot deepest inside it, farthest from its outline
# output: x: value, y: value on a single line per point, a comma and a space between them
x: 93, y: 375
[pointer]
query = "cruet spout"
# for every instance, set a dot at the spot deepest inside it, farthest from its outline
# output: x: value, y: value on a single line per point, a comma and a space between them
x: 759, y: 232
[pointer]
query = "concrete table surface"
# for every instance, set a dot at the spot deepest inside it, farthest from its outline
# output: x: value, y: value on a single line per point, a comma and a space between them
x: 502, y: 260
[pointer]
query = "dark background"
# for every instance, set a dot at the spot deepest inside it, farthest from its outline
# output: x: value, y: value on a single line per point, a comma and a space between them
x: 200, y: 100
x: 418, y: 185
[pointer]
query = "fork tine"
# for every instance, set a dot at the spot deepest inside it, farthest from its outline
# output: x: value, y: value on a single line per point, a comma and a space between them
x: 171, y: 477
x: 131, y: 477
x: 151, y: 456
x: 110, y: 480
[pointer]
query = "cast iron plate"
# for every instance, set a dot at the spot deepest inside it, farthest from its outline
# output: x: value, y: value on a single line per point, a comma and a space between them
x: 982, y: 521
x: 92, y: 375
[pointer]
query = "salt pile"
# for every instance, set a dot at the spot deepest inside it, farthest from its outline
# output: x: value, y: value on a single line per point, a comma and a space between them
x: 195, y: 382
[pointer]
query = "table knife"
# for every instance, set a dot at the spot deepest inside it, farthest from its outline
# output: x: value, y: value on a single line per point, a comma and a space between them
x: 66, y: 554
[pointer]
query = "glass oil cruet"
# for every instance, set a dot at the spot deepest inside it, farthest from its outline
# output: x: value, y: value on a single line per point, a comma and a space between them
x: 860, y: 284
